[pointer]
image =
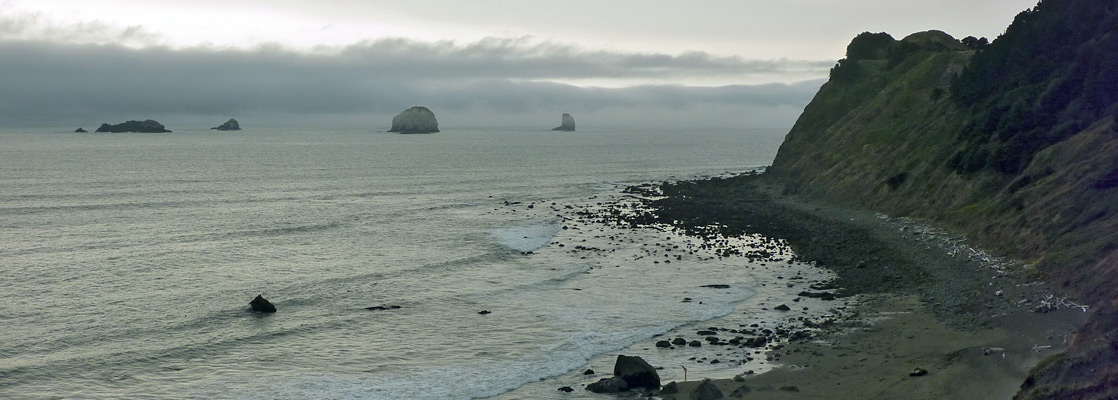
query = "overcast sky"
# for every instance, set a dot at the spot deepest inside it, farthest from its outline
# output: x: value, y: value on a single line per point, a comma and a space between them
x: 750, y: 63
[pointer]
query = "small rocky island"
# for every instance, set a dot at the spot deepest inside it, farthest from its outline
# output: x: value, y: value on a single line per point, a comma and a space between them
x: 415, y: 120
x: 568, y: 123
x: 230, y: 125
x: 146, y: 126
x: 80, y: 130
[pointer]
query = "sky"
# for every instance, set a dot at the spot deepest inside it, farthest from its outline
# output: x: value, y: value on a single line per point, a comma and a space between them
x: 717, y: 63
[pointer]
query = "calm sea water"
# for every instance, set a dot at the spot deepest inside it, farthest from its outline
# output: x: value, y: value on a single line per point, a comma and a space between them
x: 127, y: 262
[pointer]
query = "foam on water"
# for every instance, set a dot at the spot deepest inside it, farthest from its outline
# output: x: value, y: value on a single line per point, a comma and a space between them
x: 527, y: 238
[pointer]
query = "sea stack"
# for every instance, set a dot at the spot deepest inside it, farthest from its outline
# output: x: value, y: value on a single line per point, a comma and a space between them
x: 567, y: 125
x: 145, y: 126
x: 415, y: 120
x: 262, y: 305
x: 230, y: 125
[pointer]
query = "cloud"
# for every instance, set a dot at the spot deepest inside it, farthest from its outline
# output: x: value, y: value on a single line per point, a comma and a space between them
x: 48, y: 82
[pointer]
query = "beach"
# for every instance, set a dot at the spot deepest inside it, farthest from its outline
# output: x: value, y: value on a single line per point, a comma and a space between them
x: 927, y: 317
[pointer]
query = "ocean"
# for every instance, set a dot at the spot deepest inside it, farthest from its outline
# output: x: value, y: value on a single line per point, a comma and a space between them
x: 127, y: 262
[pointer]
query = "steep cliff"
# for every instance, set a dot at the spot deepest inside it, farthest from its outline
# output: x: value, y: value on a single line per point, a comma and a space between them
x: 1013, y: 143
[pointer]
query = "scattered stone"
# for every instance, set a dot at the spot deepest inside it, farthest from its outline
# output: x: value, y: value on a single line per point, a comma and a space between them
x: 717, y: 286
x: 695, y: 343
x: 567, y: 389
x: 789, y: 388
x: 484, y: 312
x: 588, y: 372
x: 679, y: 341
x: 663, y: 344
x: 782, y: 307
x: 260, y: 304
x: 918, y: 372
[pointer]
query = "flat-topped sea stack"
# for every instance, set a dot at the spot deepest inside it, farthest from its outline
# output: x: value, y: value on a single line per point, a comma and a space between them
x: 567, y: 125
x: 230, y: 125
x: 415, y: 120
x: 145, y: 126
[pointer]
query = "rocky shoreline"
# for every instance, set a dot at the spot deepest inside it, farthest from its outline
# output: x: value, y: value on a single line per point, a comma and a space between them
x: 928, y: 316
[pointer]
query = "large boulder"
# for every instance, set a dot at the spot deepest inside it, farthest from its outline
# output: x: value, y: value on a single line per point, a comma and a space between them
x: 706, y: 391
x: 568, y: 123
x: 230, y: 125
x: 415, y: 120
x: 636, y: 372
x: 260, y: 304
x: 145, y: 126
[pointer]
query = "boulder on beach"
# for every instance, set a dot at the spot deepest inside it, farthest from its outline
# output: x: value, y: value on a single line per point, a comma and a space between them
x: 629, y: 372
x: 636, y: 372
x: 145, y: 126
x: 415, y: 120
x: 260, y: 304
x: 706, y: 391
x: 230, y: 125
x: 568, y: 124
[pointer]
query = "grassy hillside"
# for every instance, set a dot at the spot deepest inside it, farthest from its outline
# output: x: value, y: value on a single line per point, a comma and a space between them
x: 1013, y: 143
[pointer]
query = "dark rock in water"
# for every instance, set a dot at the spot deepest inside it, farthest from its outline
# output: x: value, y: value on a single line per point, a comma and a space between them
x: 663, y: 343
x: 588, y: 372
x: 80, y: 130
x: 695, y: 343
x: 717, y: 286
x: 636, y: 372
x: 918, y: 372
x: 260, y: 304
x: 567, y: 389
x: 608, y: 385
x: 789, y: 388
x: 670, y: 388
x: 145, y: 126
x: 821, y: 295
x: 679, y: 341
x: 382, y: 308
x: 568, y: 123
x: 484, y: 312
x: 415, y: 120
x: 706, y: 391
x: 706, y: 333
x: 230, y: 125
x: 782, y: 307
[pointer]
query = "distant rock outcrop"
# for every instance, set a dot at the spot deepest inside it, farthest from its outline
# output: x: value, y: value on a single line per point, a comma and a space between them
x: 80, y: 130
x: 567, y: 125
x: 260, y: 304
x: 230, y: 125
x: 146, y: 126
x: 415, y: 120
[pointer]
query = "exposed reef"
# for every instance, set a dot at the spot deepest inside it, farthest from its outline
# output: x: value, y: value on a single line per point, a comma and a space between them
x: 415, y: 120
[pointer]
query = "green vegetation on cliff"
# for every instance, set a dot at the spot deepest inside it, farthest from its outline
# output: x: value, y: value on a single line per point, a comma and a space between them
x: 1012, y: 142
